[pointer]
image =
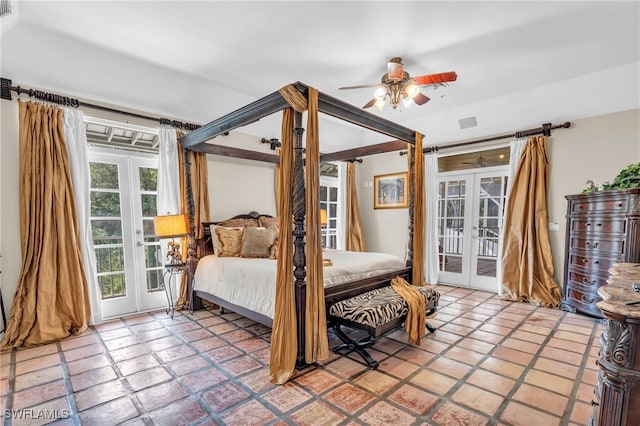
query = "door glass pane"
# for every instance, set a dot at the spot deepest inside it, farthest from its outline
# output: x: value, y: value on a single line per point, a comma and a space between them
x: 451, y: 225
x: 105, y: 204
x: 329, y: 202
x: 333, y: 194
x: 106, y: 225
x: 104, y: 176
x: 148, y: 205
x: 148, y: 179
x: 152, y: 250
x: 490, y: 208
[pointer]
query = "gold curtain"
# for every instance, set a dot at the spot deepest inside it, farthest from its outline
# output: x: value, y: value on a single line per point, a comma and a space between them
x: 354, y: 232
x: 527, y: 263
x: 417, y: 158
x: 283, y: 339
x: 52, y: 298
x: 284, y: 342
x: 317, y: 343
x: 200, y: 188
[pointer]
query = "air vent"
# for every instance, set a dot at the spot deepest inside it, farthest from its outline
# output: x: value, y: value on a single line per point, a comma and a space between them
x: 465, y: 123
x: 5, y: 7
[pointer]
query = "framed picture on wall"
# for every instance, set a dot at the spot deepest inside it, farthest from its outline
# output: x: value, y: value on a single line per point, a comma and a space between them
x: 390, y: 191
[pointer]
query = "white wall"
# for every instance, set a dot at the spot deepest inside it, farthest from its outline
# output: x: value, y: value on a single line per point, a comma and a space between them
x: 9, y: 211
x: 239, y: 186
x: 596, y: 148
x: 386, y: 230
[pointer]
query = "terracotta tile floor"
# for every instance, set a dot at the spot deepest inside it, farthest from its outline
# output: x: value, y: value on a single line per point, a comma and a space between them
x: 490, y: 362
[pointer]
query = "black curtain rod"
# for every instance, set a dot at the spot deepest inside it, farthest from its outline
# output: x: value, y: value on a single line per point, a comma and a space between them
x: 6, y: 88
x: 544, y: 130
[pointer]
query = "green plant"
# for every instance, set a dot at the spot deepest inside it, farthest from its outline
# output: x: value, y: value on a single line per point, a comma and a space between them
x: 591, y: 188
x: 629, y: 177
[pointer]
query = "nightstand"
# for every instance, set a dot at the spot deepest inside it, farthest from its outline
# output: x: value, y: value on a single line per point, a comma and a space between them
x: 173, y: 270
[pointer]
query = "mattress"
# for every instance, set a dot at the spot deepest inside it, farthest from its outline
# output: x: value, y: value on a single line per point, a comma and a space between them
x: 251, y: 283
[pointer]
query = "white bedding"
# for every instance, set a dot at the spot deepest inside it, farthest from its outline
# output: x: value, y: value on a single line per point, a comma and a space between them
x: 250, y: 283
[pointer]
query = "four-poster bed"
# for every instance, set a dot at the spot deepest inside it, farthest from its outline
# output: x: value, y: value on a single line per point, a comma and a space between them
x: 246, y: 285
x: 300, y: 199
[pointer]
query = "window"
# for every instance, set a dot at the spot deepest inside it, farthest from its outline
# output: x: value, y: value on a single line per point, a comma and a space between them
x: 329, y: 202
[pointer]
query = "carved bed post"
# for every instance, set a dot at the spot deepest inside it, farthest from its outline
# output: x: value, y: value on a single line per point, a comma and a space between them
x: 299, y: 232
x: 191, y: 238
x: 411, y: 177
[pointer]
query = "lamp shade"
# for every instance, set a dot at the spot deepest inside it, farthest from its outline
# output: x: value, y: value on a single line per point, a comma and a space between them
x: 170, y: 226
x: 323, y: 217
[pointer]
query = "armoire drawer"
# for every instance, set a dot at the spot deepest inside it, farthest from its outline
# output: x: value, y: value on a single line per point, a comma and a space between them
x: 596, y: 243
x: 595, y: 263
x: 587, y: 280
x: 600, y: 205
x: 586, y: 301
x: 599, y: 225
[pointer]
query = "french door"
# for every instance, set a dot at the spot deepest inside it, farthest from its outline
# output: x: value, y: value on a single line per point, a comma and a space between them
x: 470, y: 218
x: 128, y: 255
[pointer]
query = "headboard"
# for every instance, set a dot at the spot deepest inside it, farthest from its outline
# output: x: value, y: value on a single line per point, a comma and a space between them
x: 205, y: 245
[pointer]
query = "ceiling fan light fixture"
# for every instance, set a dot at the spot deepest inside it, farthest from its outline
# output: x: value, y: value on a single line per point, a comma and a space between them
x: 412, y: 90
x: 380, y: 93
x: 397, y: 85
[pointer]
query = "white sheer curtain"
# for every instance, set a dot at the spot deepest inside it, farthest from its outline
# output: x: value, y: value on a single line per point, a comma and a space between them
x: 342, y: 206
x: 168, y: 199
x: 514, y: 158
x: 76, y: 139
x: 516, y: 152
x: 431, y: 265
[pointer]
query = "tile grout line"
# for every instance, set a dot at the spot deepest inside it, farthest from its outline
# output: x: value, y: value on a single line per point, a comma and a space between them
x: 10, y: 387
x: 121, y: 378
x: 593, y: 338
x: 66, y: 377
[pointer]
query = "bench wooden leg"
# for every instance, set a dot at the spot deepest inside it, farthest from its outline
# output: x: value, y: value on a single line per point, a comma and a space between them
x: 351, y: 345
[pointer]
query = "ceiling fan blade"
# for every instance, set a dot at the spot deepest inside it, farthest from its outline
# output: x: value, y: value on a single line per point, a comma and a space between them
x: 421, y: 99
x: 370, y: 103
x: 363, y: 86
x: 442, y: 77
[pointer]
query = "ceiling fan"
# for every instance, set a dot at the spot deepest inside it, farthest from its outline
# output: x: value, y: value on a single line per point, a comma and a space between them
x: 397, y: 85
x: 484, y: 162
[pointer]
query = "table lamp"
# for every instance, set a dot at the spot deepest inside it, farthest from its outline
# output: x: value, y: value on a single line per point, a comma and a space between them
x: 171, y: 226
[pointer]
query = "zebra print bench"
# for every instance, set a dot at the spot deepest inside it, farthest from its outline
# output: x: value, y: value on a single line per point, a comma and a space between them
x: 375, y: 312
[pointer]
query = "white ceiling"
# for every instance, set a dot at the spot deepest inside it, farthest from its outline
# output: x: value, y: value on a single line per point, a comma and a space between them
x: 519, y: 64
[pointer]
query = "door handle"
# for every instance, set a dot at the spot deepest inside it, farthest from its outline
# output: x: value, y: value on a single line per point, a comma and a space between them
x: 139, y: 243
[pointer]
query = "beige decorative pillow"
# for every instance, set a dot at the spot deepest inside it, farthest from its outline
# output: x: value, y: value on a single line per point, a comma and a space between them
x: 273, y: 250
x: 269, y: 222
x: 215, y: 240
x: 232, y: 223
x: 230, y: 241
x: 256, y: 241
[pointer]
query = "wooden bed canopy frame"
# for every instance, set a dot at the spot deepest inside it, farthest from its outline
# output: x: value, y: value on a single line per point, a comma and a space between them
x: 196, y: 141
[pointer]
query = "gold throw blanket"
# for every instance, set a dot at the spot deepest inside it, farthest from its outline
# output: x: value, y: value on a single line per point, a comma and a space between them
x: 415, y: 322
